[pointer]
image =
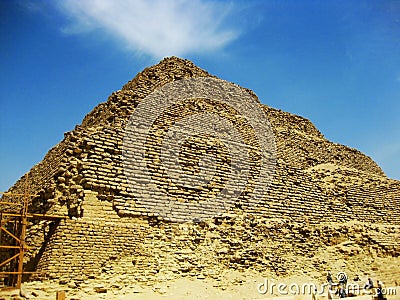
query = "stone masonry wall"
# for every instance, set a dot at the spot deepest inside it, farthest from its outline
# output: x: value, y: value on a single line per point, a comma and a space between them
x: 146, y: 249
x: 315, y: 182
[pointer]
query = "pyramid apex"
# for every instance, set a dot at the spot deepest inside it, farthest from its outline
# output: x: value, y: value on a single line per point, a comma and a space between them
x: 167, y: 70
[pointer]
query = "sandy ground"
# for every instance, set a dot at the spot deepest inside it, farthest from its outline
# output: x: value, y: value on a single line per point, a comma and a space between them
x: 245, y: 287
x: 231, y: 284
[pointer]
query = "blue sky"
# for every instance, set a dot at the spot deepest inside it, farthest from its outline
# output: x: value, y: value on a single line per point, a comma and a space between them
x: 336, y: 63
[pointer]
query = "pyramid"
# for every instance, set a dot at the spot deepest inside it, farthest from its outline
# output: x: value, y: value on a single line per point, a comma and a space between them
x: 321, y: 197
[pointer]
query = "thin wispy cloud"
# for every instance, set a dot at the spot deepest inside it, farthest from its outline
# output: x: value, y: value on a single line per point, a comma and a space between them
x: 158, y: 28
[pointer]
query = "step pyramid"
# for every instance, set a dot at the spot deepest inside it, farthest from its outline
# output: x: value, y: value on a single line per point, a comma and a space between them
x: 146, y: 221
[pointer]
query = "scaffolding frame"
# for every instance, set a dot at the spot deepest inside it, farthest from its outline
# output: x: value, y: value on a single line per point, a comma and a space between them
x: 18, y: 213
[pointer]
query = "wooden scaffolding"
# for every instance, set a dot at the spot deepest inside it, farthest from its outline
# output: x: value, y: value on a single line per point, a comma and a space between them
x: 14, y: 218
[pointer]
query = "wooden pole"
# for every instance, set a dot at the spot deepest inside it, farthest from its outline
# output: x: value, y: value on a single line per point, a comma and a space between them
x: 60, y: 295
x: 24, y: 222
